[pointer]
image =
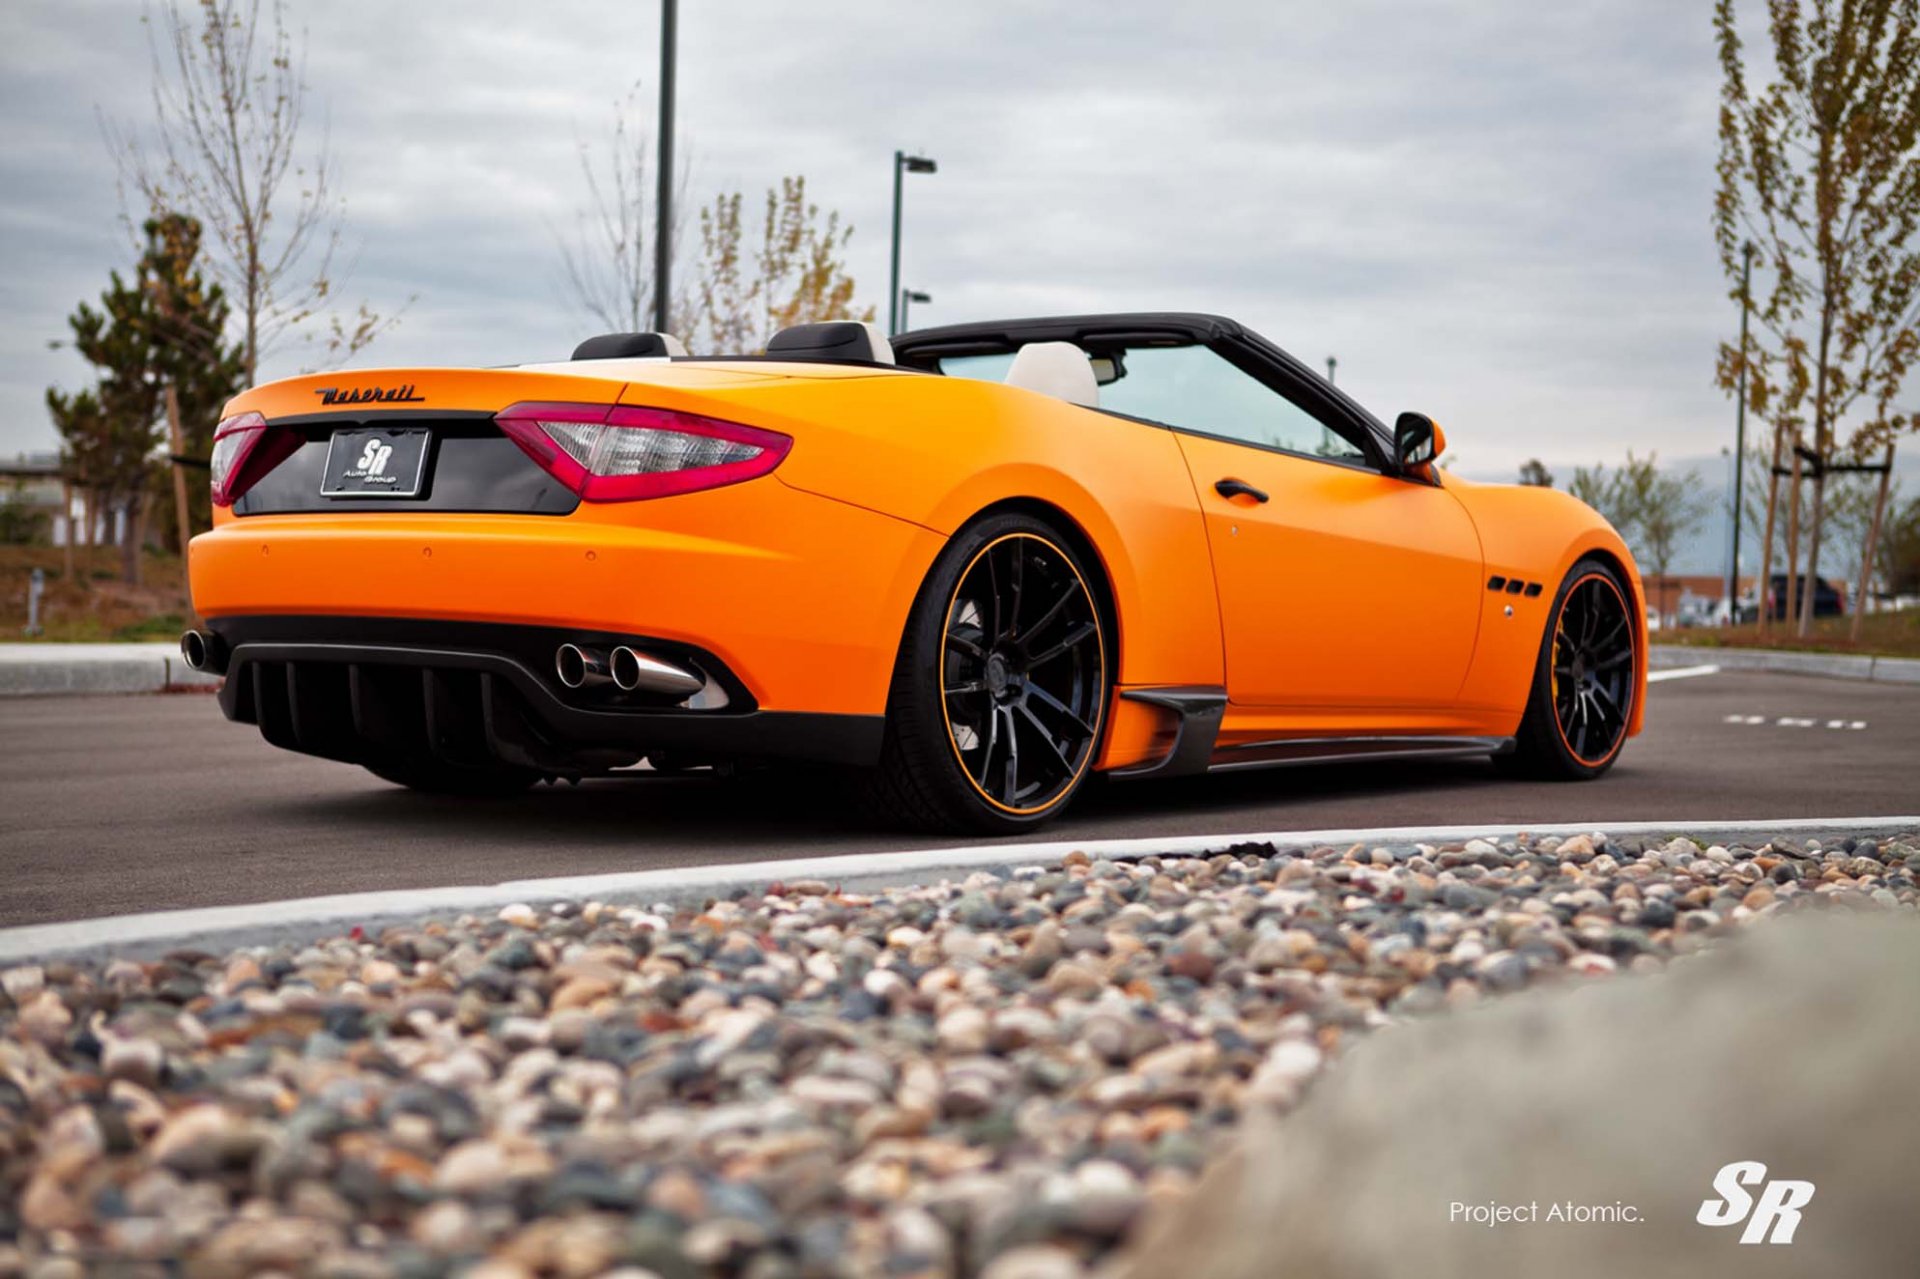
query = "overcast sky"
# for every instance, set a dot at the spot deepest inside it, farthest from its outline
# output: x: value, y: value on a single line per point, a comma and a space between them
x: 1495, y: 211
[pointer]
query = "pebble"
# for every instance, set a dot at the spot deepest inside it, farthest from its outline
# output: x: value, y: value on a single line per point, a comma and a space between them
x: 1034, y: 1261
x: 963, y: 1031
x: 137, y: 1061
x: 990, y: 1077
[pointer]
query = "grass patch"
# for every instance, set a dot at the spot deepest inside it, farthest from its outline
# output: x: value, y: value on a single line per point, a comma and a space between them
x: 1881, y: 635
x: 93, y: 605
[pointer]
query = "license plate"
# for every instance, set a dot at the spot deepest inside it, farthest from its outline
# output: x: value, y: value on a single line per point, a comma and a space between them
x: 372, y: 462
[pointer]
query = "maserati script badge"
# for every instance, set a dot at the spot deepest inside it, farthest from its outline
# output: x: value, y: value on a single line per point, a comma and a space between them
x: 402, y: 394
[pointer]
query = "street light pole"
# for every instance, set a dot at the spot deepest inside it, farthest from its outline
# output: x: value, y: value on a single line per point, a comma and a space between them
x: 663, y: 220
x: 910, y: 295
x: 1740, y: 441
x: 902, y: 164
x: 1331, y: 362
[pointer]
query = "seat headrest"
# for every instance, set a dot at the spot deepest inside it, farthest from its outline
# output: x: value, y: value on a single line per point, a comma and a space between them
x: 832, y: 341
x: 629, y: 346
x: 1059, y: 369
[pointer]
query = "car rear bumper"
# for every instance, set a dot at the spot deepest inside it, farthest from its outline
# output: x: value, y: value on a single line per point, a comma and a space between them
x: 801, y: 597
x: 388, y: 690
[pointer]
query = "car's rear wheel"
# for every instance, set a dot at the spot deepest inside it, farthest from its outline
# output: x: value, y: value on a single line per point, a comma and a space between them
x: 1583, y: 683
x: 436, y: 778
x: 1000, y: 691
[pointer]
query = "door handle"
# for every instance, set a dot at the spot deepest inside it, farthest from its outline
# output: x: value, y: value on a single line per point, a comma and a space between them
x: 1238, y: 488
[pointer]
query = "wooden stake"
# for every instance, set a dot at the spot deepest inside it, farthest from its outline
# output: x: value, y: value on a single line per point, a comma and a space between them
x: 1793, y: 537
x: 1764, y: 589
x: 66, y: 510
x: 1873, y: 538
x: 177, y: 436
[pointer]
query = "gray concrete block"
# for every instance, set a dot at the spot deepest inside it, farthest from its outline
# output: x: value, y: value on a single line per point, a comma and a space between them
x: 43, y: 669
x: 1896, y: 670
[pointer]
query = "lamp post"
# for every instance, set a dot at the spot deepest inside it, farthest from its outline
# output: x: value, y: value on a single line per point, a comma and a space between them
x: 1331, y: 362
x: 1740, y: 443
x: 902, y: 164
x: 663, y: 218
x: 910, y: 295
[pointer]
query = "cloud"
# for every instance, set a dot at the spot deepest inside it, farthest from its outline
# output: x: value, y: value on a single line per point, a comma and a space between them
x: 1492, y: 210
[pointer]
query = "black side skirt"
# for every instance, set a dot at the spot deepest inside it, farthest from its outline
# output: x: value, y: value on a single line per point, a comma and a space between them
x: 1198, y: 710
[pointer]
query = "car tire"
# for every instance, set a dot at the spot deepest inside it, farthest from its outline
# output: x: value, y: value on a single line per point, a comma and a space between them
x: 434, y: 778
x: 1000, y: 692
x: 1584, y: 681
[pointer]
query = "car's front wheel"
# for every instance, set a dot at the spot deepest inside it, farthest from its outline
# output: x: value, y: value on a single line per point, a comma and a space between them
x: 1583, y: 683
x: 1000, y: 691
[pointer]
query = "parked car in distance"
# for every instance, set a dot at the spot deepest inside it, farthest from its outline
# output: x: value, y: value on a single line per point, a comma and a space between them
x: 1826, y: 600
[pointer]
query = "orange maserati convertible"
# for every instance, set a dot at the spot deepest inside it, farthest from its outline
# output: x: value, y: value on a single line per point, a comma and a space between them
x: 972, y: 566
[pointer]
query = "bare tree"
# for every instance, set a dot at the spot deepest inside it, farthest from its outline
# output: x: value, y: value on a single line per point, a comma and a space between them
x: 1600, y: 490
x: 607, y: 263
x: 1651, y: 510
x: 226, y: 148
x: 1660, y: 511
x: 1819, y: 169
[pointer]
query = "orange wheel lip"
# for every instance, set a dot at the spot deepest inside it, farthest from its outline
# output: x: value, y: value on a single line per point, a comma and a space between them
x: 1100, y: 635
x: 1553, y: 679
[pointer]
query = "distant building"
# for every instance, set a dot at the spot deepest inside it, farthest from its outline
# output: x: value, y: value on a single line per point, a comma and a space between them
x: 1698, y: 599
x: 34, y: 480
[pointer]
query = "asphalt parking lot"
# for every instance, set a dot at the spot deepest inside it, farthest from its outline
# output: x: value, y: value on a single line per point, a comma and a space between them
x: 111, y: 805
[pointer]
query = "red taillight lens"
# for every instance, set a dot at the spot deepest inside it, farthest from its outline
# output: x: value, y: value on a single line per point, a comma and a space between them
x: 624, y: 454
x: 245, y: 448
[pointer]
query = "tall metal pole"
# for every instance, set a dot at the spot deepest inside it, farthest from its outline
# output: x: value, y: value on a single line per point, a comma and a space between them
x: 663, y: 220
x: 1740, y: 437
x: 1331, y: 362
x: 893, y: 280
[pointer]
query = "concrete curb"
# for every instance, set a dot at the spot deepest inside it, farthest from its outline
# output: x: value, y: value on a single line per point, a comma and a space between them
x: 303, y: 919
x: 39, y: 669
x: 1884, y: 670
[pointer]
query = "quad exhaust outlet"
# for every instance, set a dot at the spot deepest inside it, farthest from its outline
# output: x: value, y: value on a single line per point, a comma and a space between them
x: 202, y: 651
x: 626, y: 668
x: 633, y: 670
x: 579, y: 667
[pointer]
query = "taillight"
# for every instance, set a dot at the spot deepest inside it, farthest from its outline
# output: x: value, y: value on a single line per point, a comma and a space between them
x: 624, y: 453
x: 245, y: 448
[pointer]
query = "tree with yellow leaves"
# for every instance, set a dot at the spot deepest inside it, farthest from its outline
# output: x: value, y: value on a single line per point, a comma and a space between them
x: 1820, y: 173
x: 794, y: 271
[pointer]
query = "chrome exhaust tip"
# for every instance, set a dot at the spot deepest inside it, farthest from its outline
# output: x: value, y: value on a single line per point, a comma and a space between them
x: 633, y: 670
x: 578, y: 667
x: 198, y: 649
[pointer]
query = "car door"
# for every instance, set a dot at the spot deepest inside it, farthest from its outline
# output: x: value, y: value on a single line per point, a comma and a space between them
x: 1341, y: 588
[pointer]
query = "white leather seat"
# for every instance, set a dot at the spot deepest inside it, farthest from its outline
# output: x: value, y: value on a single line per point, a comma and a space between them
x: 1059, y: 369
x: 877, y: 338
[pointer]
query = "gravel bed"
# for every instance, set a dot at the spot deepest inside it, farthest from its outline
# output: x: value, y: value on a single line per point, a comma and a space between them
x: 994, y: 1076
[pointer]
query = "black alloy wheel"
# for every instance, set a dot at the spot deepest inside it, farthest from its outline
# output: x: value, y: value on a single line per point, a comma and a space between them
x: 1023, y: 672
x: 1000, y: 692
x: 1593, y: 669
x: 1584, y: 683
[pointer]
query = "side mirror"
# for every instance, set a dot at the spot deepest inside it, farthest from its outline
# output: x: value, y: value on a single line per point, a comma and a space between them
x: 1417, y: 441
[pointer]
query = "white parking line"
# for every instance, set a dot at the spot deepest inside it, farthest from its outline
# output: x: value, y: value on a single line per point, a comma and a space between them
x: 1681, y: 672
x: 1797, y: 721
x: 279, y: 922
